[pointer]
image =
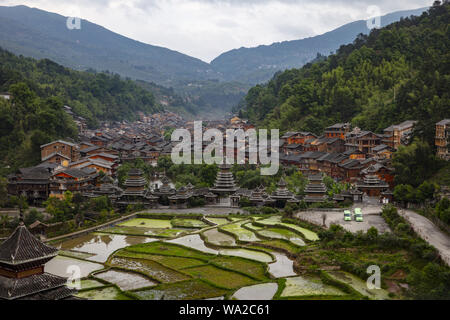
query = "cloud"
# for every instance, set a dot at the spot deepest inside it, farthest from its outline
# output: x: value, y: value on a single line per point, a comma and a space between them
x: 207, y: 28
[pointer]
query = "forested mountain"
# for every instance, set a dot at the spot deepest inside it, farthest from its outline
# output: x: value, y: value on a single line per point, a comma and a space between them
x: 41, y: 88
x: 94, y: 96
x: 41, y: 34
x: 396, y: 73
x: 259, y: 64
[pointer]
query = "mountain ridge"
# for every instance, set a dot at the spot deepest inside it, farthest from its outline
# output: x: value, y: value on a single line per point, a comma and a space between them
x: 260, y: 60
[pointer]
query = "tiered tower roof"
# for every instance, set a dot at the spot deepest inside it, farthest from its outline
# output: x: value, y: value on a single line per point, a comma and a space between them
x: 224, y: 181
x: 22, y: 276
x: 316, y: 189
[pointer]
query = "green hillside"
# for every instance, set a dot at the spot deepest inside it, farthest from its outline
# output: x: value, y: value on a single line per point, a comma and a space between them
x: 396, y: 73
x: 41, y: 89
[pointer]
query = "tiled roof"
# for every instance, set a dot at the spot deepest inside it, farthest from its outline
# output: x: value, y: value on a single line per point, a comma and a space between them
x: 12, y: 288
x: 22, y: 247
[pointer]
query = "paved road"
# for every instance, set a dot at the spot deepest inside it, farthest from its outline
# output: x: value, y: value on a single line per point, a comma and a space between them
x: 371, y: 213
x: 429, y: 232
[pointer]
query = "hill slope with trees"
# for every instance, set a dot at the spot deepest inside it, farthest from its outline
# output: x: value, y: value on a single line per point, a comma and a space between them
x: 396, y: 73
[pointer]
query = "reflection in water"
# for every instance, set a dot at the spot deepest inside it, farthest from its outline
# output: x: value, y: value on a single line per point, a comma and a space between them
x: 59, y: 266
x: 126, y: 280
x: 193, y: 241
x: 283, y: 267
x: 102, y: 245
x: 264, y: 291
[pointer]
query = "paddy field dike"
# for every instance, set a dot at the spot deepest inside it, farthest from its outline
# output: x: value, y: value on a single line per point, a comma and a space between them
x: 176, y: 257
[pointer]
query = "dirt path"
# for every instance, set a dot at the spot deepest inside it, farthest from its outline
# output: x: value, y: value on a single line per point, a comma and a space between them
x: 429, y: 232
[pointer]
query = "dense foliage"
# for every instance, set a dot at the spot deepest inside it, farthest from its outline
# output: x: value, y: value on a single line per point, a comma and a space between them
x: 396, y: 73
x: 94, y: 96
x: 27, y: 122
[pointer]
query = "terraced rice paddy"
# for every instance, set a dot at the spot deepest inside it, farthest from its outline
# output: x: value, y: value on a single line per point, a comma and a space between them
x: 60, y: 264
x: 308, y: 286
x: 252, y: 227
x: 108, y: 293
x: 240, y: 233
x: 275, y: 233
x: 150, y: 268
x: 218, y: 238
x: 88, y: 284
x: 254, y: 269
x: 180, y: 265
x: 187, y: 290
x: 193, y: 241
x: 125, y: 280
x: 139, y: 231
x: 248, y: 254
x: 220, y: 277
x: 176, y: 263
x: 147, y: 223
x: 264, y: 291
x: 276, y: 220
x: 359, y: 285
x: 75, y: 254
x: 218, y: 221
x: 188, y: 223
x: 101, y: 246
x: 282, y: 267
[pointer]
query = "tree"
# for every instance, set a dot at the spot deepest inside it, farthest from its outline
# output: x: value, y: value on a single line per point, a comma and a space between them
x: 404, y: 193
x: 414, y: 163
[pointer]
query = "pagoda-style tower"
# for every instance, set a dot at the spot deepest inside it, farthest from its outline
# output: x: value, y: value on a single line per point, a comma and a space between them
x: 224, y: 182
x: 316, y: 191
x: 256, y: 198
x: 165, y: 189
x: 22, y: 275
x: 134, y: 184
x: 282, y: 194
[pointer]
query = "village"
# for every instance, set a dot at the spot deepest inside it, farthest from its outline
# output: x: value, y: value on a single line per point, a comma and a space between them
x: 360, y: 159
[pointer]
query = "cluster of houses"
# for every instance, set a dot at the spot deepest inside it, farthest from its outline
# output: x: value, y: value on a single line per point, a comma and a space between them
x: 346, y: 154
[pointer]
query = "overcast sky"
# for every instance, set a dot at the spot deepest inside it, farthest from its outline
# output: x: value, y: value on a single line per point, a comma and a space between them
x: 207, y: 28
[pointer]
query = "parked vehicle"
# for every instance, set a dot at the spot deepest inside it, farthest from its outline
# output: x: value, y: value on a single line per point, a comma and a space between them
x: 347, y: 215
x: 358, y: 215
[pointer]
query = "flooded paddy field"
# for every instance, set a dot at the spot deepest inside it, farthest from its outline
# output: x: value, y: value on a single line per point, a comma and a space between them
x: 264, y: 291
x: 276, y: 220
x: 147, y: 223
x: 248, y: 254
x: 108, y: 293
x: 193, y: 241
x: 282, y: 267
x: 188, y: 223
x: 150, y: 268
x: 218, y: 238
x: 220, y: 277
x: 149, y: 258
x: 218, y: 221
x: 308, y: 286
x: 99, y: 245
x: 149, y: 232
x: 125, y: 280
x: 240, y: 233
x: 60, y: 266
x: 276, y: 233
x: 187, y: 290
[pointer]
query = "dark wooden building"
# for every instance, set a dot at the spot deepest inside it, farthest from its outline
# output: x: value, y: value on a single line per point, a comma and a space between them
x: 22, y: 275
